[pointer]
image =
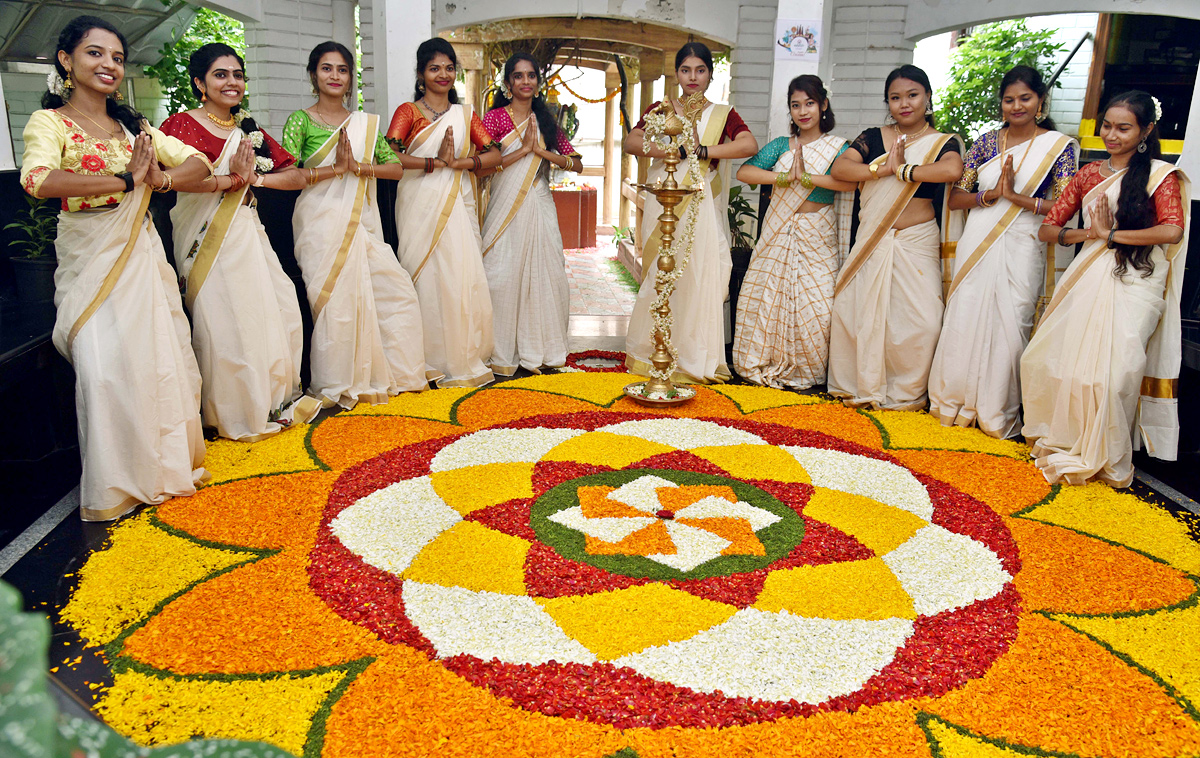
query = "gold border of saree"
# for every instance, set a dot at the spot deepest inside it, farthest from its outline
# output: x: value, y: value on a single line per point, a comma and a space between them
x: 526, y: 183
x: 455, y: 185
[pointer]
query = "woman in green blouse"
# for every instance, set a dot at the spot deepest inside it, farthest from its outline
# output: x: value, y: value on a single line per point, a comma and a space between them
x: 366, y: 341
x: 781, y: 335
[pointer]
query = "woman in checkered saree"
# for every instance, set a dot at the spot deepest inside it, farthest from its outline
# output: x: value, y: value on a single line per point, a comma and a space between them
x: 781, y: 336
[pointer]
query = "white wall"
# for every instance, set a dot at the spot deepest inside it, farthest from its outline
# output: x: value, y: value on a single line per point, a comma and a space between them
x: 786, y: 70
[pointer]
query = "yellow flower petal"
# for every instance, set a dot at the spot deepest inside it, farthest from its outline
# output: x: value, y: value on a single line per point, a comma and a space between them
x: 606, y: 448
x: 617, y: 623
x: 474, y: 487
x: 471, y: 556
x: 750, y: 399
x: 437, y: 405
x: 755, y: 462
x: 907, y: 429
x: 153, y: 711
x: 595, y: 388
x: 284, y: 452
x: 950, y: 742
x: 880, y: 527
x: 855, y: 590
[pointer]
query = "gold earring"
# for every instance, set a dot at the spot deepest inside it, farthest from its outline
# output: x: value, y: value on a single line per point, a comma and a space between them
x: 204, y: 97
x: 116, y: 95
x: 68, y: 84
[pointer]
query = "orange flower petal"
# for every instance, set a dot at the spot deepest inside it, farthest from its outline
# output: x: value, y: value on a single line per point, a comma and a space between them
x: 833, y: 418
x: 343, y: 441
x: 1005, y: 484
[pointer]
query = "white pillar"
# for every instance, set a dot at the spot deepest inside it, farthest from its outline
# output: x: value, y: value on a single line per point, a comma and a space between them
x: 391, y: 31
x: 1189, y: 160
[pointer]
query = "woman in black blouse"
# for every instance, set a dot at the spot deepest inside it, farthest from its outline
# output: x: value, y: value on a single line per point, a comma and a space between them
x: 887, y: 307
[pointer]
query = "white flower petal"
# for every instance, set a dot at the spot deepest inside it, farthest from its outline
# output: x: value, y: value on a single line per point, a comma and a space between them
x: 500, y: 446
x: 879, y: 480
x: 776, y: 656
x: 684, y: 433
x: 719, y: 507
x: 641, y: 493
x: 942, y: 570
x: 607, y: 529
x: 390, y: 526
x: 692, y: 547
x: 489, y: 625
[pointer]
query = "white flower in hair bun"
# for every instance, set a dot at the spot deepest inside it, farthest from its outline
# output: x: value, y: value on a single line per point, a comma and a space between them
x: 54, y: 83
x: 1157, y: 109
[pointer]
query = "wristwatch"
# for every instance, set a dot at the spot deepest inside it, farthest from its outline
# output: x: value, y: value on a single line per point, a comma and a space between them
x: 126, y: 177
x: 874, y: 169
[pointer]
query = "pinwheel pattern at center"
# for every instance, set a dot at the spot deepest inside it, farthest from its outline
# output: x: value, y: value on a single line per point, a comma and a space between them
x: 681, y: 526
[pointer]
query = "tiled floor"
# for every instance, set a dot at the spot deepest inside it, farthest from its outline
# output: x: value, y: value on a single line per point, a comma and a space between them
x: 595, y: 289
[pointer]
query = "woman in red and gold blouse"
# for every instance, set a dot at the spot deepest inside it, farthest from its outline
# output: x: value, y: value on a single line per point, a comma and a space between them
x: 441, y: 143
x: 699, y: 333
x: 246, y: 327
x: 120, y: 321
x: 1100, y: 375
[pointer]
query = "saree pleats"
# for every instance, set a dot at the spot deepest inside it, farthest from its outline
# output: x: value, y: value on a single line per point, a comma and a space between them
x: 121, y: 325
x: 366, y: 341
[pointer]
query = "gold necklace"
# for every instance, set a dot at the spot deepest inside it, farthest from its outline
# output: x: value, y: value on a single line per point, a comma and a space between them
x: 912, y: 136
x: 321, y: 118
x: 221, y: 122
x: 1028, y: 147
x: 111, y: 134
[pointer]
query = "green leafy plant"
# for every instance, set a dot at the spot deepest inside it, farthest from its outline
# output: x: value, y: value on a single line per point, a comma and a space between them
x: 39, y: 224
x: 969, y: 104
x: 739, y: 212
x: 621, y: 233
x: 171, y: 72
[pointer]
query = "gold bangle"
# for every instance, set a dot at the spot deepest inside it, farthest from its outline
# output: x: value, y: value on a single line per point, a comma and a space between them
x: 806, y: 180
x: 782, y: 180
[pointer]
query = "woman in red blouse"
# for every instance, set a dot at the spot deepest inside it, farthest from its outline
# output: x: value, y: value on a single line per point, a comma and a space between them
x: 1100, y: 375
x: 721, y: 136
x: 522, y: 245
x: 246, y: 327
x: 441, y: 143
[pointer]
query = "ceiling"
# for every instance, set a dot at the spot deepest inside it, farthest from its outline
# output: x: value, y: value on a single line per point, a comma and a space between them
x: 29, y: 28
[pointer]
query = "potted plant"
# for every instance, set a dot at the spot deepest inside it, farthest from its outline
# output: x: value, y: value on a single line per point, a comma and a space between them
x: 34, y: 268
x: 740, y: 210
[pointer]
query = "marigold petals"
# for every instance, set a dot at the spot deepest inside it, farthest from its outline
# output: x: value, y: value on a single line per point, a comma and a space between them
x: 882, y: 528
x: 343, y: 441
x: 906, y: 429
x: 755, y: 462
x: 834, y: 419
x: 1007, y: 485
x: 471, y: 556
x: 951, y: 742
x: 434, y: 406
x: 460, y: 489
x: 229, y: 459
x: 856, y: 590
x: 1065, y: 571
x: 293, y: 629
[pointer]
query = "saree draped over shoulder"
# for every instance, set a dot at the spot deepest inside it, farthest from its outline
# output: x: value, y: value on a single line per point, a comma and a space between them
x: 998, y: 275
x: 698, y: 331
x: 366, y: 341
x: 1100, y: 374
x: 246, y: 327
x: 524, y: 265
x: 887, y: 304
x: 781, y: 336
x: 440, y: 247
x: 137, y: 390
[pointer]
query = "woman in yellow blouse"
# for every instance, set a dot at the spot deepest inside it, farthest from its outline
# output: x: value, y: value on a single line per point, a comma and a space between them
x: 120, y: 321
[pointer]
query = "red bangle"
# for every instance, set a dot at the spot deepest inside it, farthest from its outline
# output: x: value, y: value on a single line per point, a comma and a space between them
x: 476, y: 162
x: 429, y: 165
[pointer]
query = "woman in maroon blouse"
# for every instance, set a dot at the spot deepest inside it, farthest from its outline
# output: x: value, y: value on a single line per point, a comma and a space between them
x: 246, y: 327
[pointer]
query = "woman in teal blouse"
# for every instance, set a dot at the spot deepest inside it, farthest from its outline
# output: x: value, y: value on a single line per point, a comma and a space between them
x: 781, y: 335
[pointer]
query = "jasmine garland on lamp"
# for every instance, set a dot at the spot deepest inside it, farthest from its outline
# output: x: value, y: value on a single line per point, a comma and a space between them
x: 366, y: 340
x: 246, y: 326
x: 522, y: 244
x: 120, y: 322
x: 442, y: 143
x: 887, y: 303
x: 1099, y: 377
x: 1013, y: 175
x: 698, y: 333
x: 781, y: 335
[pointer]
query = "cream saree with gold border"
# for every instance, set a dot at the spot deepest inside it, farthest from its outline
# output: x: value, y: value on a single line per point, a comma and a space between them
x: 121, y: 325
x: 698, y: 331
x: 246, y: 327
x: 366, y: 340
x: 999, y: 274
x: 1101, y: 373
x: 887, y: 305
x: 524, y: 264
x: 781, y: 336
x: 440, y: 247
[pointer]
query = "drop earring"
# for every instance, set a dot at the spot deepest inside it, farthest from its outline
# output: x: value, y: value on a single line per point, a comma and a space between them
x: 67, y: 83
x: 420, y: 86
x: 1142, y: 146
x: 203, y: 97
x: 929, y: 107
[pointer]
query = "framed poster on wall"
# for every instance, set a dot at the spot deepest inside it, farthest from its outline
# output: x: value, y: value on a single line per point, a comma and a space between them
x: 798, y: 40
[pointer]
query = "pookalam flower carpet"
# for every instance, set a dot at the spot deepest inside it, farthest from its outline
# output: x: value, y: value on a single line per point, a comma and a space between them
x: 544, y: 568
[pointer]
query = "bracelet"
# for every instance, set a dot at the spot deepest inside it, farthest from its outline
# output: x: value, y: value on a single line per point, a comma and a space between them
x: 1037, y: 206
x: 166, y: 185
x: 902, y: 172
x: 429, y: 165
x: 985, y: 203
x: 259, y: 180
x: 806, y: 180
x: 337, y: 173
x: 1062, y: 236
x: 783, y: 180
x: 702, y: 152
x: 979, y: 198
x: 236, y: 182
x: 874, y: 169
x: 1111, y: 243
x: 682, y: 153
x: 476, y: 162
x: 357, y: 169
